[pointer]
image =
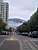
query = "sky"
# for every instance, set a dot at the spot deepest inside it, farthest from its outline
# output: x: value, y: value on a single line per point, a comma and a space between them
x: 22, y: 8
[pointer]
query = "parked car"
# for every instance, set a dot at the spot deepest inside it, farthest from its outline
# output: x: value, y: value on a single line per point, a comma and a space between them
x: 25, y: 34
x: 35, y: 34
x: 4, y: 33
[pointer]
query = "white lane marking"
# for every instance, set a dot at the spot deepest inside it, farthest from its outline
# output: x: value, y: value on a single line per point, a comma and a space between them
x: 2, y: 42
x: 12, y: 38
x: 32, y: 47
x: 21, y: 46
x: 20, y: 42
x: 30, y: 44
x: 25, y: 44
x: 35, y: 44
x: 31, y: 40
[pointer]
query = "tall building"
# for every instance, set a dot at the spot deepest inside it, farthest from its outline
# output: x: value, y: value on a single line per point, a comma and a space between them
x: 4, y: 11
x: 1, y: 1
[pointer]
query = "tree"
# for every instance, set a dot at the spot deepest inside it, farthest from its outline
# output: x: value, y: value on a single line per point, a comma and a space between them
x: 30, y: 25
x: 34, y: 21
x: 2, y: 25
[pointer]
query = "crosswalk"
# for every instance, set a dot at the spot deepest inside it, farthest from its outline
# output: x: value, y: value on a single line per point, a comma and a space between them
x: 26, y: 43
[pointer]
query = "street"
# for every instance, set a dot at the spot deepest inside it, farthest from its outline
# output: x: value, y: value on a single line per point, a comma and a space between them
x: 18, y: 42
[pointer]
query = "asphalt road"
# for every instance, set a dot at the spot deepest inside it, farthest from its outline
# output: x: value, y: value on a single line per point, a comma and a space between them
x: 18, y: 42
x: 10, y: 45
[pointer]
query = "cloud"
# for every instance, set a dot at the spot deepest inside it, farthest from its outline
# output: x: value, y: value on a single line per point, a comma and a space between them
x: 22, y: 8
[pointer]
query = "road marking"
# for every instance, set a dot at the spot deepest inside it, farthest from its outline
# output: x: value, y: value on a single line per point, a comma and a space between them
x: 20, y: 42
x: 30, y: 44
x: 35, y: 45
x: 31, y: 40
x: 12, y: 38
x: 2, y: 42
x: 21, y: 46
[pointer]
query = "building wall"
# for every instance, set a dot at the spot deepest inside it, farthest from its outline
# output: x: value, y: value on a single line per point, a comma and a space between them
x: 1, y: 1
x: 0, y: 8
x: 4, y: 10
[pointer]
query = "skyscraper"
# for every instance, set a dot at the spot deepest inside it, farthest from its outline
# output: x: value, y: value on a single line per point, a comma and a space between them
x: 4, y: 10
x: 4, y: 7
x: 1, y: 1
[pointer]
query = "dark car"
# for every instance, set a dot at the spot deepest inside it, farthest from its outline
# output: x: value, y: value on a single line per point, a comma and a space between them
x: 35, y: 34
x: 4, y: 33
x: 24, y: 34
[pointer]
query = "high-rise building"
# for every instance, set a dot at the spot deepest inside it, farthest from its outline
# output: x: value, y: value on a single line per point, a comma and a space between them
x: 4, y: 11
x: 1, y: 1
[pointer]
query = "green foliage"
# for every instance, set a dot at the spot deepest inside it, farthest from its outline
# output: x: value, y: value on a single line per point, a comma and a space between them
x: 34, y: 21
x: 2, y: 25
x: 23, y: 28
x: 30, y: 25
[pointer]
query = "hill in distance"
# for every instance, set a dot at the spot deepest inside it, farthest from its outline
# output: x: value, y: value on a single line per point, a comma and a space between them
x: 16, y: 20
